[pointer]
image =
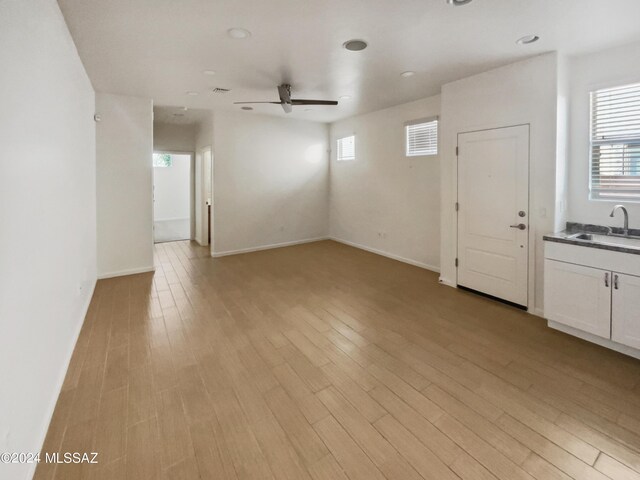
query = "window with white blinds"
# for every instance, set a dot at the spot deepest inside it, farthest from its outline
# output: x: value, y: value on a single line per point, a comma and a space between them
x: 421, y: 137
x: 347, y: 148
x: 615, y: 143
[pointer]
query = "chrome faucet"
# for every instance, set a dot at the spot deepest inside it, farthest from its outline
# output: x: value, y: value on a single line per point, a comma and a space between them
x: 626, y: 218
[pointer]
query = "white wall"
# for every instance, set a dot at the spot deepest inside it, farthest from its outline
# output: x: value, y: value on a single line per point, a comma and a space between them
x: 47, y: 217
x: 384, y: 201
x: 124, y: 149
x: 270, y: 181
x: 170, y: 137
x: 608, y: 68
x: 522, y: 93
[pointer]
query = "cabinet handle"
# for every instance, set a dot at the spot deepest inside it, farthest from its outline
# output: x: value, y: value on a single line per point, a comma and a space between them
x: 606, y: 279
x: 615, y: 282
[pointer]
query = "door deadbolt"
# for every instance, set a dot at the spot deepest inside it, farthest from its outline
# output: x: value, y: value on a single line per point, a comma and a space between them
x: 522, y: 213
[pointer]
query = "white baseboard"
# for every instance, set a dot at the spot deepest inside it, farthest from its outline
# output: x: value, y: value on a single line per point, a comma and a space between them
x: 63, y: 374
x: 122, y: 273
x: 603, y: 342
x: 387, y: 254
x: 266, y: 247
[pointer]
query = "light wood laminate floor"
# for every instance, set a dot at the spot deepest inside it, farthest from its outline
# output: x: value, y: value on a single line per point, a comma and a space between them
x: 324, y: 362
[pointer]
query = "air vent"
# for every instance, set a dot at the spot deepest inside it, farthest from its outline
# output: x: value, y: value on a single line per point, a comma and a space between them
x: 220, y: 90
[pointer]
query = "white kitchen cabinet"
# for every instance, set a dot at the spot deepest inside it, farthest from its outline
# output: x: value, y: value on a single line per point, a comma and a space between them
x: 625, y: 310
x: 594, y: 294
x: 578, y: 296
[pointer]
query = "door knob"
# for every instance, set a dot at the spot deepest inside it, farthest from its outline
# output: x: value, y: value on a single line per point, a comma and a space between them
x: 520, y: 226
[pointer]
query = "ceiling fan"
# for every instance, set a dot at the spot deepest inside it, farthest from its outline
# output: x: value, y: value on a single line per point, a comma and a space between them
x: 284, y: 91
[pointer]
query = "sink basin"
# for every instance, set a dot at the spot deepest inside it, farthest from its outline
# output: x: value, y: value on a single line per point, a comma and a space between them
x: 626, y: 242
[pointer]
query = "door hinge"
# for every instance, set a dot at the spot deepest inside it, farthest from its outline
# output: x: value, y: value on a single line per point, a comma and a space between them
x: 457, y: 151
x: 457, y: 262
x: 457, y: 206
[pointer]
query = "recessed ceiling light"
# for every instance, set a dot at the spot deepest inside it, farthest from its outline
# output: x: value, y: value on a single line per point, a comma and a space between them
x: 458, y: 3
x: 209, y: 72
x: 344, y: 97
x: 192, y: 94
x: 407, y: 74
x: 355, y: 45
x: 246, y: 108
x: 238, y: 33
x: 527, y: 39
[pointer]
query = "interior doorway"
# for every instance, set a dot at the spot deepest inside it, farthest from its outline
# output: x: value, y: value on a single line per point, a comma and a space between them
x: 493, y: 212
x: 172, y: 197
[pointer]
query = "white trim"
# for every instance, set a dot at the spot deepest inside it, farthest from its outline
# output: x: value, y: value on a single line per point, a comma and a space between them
x: 60, y: 383
x: 266, y: 247
x: 538, y: 312
x: 447, y: 282
x: 415, y: 263
x: 131, y: 271
x: 603, y: 342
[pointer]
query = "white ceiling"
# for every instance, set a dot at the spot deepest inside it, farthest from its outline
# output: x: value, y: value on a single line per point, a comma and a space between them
x: 159, y: 48
x: 178, y: 115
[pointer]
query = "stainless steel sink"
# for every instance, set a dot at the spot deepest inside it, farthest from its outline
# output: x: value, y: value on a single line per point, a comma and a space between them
x: 614, y: 240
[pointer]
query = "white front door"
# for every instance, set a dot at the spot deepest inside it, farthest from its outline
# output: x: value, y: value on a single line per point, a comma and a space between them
x: 493, y: 212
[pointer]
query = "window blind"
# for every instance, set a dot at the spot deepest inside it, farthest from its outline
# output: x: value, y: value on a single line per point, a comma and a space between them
x: 422, y: 137
x: 615, y: 143
x: 347, y: 148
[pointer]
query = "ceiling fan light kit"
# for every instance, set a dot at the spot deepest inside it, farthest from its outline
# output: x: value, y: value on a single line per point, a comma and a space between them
x: 458, y: 3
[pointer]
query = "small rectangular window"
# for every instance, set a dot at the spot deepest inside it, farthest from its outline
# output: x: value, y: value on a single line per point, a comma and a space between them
x: 162, y: 160
x: 347, y: 148
x: 421, y: 137
x: 615, y: 143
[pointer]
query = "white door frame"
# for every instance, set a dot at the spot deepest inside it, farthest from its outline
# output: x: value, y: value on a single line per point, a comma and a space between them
x: 192, y: 190
x: 531, y: 254
x: 200, y: 195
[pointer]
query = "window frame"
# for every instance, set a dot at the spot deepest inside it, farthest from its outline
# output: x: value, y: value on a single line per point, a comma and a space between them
x: 421, y: 121
x: 339, y: 148
x: 610, y: 192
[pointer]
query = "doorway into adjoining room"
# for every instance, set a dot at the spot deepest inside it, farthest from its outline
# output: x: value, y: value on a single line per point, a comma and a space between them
x: 172, y: 197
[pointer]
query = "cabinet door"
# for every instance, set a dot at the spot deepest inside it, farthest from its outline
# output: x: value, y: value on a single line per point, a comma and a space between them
x: 625, y: 310
x: 578, y: 296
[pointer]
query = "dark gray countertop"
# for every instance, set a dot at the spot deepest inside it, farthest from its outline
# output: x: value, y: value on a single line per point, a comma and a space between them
x: 573, y: 228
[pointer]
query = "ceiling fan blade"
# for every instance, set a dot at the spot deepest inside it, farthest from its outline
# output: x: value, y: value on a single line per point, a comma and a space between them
x: 297, y: 101
x: 242, y: 103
